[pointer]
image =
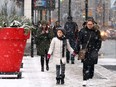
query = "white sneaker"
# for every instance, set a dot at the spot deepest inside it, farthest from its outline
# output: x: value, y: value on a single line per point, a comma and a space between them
x: 84, y: 83
x: 91, y: 82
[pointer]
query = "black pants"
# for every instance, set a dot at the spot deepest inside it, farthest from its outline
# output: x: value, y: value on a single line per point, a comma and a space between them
x: 68, y: 57
x: 88, y: 71
x: 42, y: 61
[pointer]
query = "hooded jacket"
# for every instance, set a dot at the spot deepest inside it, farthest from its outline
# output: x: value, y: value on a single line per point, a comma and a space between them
x: 93, y: 46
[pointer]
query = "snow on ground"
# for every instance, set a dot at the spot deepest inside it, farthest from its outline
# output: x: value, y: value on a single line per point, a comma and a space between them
x: 107, y: 61
x: 33, y: 77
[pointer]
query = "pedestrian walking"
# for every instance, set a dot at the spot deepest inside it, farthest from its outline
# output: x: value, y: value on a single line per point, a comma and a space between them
x: 35, y: 32
x: 58, y: 48
x: 71, y: 32
x: 57, y: 25
x: 42, y: 43
x: 89, y: 38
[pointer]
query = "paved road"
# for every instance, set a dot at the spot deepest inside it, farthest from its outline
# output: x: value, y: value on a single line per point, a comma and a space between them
x: 108, y: 49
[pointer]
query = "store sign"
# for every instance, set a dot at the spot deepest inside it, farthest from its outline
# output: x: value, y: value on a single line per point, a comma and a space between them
x: 40, y: 3
x: 44, y: 4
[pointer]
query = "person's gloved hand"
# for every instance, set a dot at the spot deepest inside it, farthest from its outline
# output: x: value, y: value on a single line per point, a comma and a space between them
x: 48, y: 56
x: 74, y: 53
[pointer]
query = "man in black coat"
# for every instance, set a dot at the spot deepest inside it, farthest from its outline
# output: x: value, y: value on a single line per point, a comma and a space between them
x: 71, y: 31
x: 91, y: 36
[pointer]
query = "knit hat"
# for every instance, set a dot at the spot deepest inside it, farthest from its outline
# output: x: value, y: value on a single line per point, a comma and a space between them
x: 62, y: 29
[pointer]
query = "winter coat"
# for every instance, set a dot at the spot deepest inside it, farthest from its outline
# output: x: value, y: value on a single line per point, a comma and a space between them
x: 71, y: 32
x: 71, y: 28
x: 93, y: 46
x: 43, y: 41
x: 56, y: 50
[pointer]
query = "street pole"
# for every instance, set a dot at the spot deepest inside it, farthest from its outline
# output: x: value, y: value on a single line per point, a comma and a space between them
x: 50, y: 16
x: 86, y: 9
x: 103, y: 14
x: 46, y: 12
x: 59, y: 11
x: 69, y: 8
x: 41, y: 15
x: 32, y: 36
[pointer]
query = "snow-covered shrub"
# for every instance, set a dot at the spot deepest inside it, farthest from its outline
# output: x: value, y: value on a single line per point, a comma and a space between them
x: 16, y: 21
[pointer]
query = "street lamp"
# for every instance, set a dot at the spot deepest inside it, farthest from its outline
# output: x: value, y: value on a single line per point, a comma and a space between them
x: 86, y: 9
x: 59, y: 11
x: 103, y: 14
x: 32, y: 35
x: 69, y: 8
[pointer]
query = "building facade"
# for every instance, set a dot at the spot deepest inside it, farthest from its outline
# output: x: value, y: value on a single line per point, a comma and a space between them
x: 100, y: 10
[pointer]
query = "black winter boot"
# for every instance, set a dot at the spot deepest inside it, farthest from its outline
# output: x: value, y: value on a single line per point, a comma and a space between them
x: 47, y: 67
x: 62, y: 73
x: 57, y: 74
x: 42, y: 63
x: 47, y: 64
x: 62, y: 78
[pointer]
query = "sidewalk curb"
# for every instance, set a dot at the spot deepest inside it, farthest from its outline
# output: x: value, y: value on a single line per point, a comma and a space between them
x: 105, y: 72
x: 108, y: 75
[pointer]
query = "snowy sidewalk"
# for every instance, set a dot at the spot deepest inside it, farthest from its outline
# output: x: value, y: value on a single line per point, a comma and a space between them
x: 33, y: 77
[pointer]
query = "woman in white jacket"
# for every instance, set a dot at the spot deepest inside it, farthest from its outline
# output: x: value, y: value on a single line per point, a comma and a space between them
x: 58, y: 48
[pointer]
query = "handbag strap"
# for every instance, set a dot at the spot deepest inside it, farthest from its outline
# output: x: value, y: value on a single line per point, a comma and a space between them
x: 88, y: 41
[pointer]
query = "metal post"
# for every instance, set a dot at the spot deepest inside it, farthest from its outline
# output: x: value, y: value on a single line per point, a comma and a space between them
x: 50, y: 16
x: 32, y: 36
x: 59, y: 10
x: 86, y: 9
x: 46, y: 12
x: 69, y: 8
x: 103, y: 14
x: 40, y: 15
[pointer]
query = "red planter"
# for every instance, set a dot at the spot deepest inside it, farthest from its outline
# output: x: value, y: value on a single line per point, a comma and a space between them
x: 12, y: 45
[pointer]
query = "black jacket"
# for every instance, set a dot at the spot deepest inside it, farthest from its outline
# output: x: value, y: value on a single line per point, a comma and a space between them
x: 93, y: 46
x: 71, y: 28
x: 71, y: 32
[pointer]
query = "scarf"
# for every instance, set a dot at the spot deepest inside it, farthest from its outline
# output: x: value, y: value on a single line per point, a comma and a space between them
x: 63, y: 45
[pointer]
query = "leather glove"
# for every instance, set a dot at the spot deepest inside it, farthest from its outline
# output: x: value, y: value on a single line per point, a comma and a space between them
x: 74, y: 53
x: 48, y: 56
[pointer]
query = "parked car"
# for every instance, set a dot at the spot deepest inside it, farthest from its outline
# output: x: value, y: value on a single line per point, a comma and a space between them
x: 111, y: 33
